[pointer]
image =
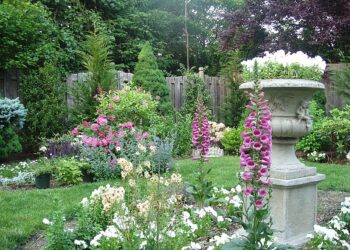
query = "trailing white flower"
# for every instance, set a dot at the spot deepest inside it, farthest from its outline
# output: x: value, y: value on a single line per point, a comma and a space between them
x: 47, y: 222
x: 328, y: 233
x: 81, y: 243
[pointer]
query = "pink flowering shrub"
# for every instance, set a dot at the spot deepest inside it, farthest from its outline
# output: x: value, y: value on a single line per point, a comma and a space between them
x: 129, y: 104
x: 103, y: 142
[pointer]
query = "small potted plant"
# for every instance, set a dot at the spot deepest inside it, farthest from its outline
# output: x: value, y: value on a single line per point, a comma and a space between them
x: 42, y: 171
x: 87, y: 172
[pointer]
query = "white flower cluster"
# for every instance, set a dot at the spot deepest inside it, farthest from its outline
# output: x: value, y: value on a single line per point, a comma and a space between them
x: 230, y: 196
x: 107, y: 195
x: 336, y: 232
x: 126, y: 167
x: 315, y: 156
x: 217, y: 131
x: 80, y: 243
x: 286, y: 59
x: 345, y: 206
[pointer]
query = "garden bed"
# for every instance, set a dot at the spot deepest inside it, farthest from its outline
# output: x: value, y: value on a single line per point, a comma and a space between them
x: 328, y: 206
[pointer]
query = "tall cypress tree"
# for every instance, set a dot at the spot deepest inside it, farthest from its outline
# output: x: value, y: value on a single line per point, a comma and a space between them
x: 148, y: 76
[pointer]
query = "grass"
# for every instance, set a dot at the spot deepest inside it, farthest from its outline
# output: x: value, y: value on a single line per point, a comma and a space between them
x: 22, y: 211
x: 337, y: 176
x: 223, y: 170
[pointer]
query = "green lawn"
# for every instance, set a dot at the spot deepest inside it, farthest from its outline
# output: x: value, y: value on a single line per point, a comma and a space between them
x: 21, y: 212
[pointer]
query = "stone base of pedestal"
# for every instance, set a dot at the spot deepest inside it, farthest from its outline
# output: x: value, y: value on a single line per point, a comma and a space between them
x: 294, y: 207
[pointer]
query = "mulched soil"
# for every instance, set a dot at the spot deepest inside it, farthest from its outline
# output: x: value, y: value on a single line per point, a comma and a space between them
x: 328, y: 206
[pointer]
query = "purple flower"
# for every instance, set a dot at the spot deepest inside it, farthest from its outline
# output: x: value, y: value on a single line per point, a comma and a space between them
x: 262, y: 192
x: 247, y: 176
x: 248, y: 191
x: 259, y: 204
x: 101, y: 120
x: 200, y: 130
x: 94, y: 127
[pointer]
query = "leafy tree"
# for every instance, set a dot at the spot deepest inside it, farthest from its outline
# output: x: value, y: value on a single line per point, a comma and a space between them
x: 43, y: 94
x: 235, y: 101
x: 291, y: 25
x: 101, y: 75
x: 148, y: 76
x: 28, y: 36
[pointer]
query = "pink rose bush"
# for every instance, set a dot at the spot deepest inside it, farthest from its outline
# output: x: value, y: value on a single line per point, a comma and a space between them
x: 104, y: 142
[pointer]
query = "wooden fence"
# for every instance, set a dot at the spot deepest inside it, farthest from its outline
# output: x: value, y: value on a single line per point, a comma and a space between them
x: 9, y: 84
x: 215, y: 85
x: 177, y: 86
x: 9, y: 81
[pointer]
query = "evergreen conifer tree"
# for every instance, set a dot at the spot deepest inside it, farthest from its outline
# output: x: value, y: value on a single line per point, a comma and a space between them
x: 195, y: 86
x: 148, y: 76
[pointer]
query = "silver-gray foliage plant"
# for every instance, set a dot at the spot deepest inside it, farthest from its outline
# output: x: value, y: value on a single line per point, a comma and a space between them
x: 12, y: 112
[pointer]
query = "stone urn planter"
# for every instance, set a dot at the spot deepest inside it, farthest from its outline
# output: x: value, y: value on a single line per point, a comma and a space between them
x: 294, y: 185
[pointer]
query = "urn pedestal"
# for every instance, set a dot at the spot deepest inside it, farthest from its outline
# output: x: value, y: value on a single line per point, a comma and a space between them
x: 294, y: 185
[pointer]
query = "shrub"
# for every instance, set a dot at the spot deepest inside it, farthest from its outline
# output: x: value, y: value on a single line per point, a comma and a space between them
x: 163, y: 126
x: 12, y: 112
x: 235, y: 101
x: 316, y: 157
x: 43, y: 93
x: 101, y: 75
x: 105, y: 142
x: 150, y: 78
x: 9, y: 142
x: 68, y: 171
x: 28, y: 35
x: 183, y: 135
x: 42, y: 166
x: 12, y: 118
x: 331, y: 134
x: 162, y: 159
x: 129, y: 104
x: 232, y: 140
x: 313, y: 141
x: 195, y: 86
x: 100, y: 163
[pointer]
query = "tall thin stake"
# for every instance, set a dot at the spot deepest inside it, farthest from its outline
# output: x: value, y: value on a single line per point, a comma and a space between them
x: 186, y: 34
